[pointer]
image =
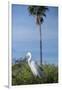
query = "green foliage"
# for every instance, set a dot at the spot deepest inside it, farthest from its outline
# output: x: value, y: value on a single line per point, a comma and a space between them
x: 39, y: 12
x: 51, y: 72
x: 22, y: 75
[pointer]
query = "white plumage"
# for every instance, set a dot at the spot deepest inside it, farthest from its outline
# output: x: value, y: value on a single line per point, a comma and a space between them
x: 33, y: 66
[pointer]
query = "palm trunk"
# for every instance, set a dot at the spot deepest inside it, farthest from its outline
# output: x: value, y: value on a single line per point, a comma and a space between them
x: 40, y: 45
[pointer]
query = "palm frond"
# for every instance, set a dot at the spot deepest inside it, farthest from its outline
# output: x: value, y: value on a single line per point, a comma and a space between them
x: 39, y: 12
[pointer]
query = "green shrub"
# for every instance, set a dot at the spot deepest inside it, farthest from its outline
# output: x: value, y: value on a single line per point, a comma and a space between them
x: 21, y: 74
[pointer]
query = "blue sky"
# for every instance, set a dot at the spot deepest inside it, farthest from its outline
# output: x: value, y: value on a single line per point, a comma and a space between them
x: 26, y: 34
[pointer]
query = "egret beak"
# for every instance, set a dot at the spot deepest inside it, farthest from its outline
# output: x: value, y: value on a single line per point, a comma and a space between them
x: 25, y: 58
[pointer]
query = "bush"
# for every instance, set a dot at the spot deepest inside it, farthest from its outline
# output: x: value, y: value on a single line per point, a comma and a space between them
x: 22, y: 75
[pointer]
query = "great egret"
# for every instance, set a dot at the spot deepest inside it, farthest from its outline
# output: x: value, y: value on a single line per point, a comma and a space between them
x: 33, y: 66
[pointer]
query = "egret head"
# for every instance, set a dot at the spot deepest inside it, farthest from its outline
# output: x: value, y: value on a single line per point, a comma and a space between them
x: 28, y: 56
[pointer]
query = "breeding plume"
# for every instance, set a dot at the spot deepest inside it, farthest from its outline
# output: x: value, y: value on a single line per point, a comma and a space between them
x: 33, y: 66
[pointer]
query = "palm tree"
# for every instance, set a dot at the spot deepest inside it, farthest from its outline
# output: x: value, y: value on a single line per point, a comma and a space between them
x: 38, y: 12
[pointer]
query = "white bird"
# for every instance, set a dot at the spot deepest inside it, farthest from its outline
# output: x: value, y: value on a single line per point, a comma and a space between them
x: 33, y: 66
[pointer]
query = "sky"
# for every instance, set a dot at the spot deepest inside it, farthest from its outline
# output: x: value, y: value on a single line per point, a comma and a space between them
x: 26, y: 35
